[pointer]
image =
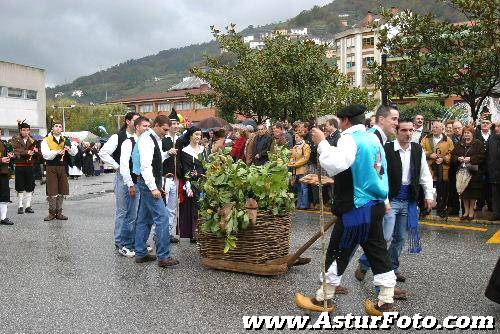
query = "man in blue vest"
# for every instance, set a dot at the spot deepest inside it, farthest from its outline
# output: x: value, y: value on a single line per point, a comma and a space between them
x: 132, y: 197
x: 359, y: 167
x: 148, y: 158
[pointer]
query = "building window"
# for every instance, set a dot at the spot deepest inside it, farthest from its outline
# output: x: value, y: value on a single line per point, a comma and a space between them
x: 368, y: 42
x: 31, y: 94
x: 351, y: 80
x: 367, y: 61
x: 183, y: 105
x: 350, y: 63
x: 350, y: 43
x: 14, y: 92
x: 146, y: 108
x: 165, y: 107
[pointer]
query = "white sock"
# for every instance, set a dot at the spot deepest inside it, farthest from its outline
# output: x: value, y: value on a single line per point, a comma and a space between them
x: 385, y: 296
x: 21, y: 197
x: 27, y: 198
x: 3, y: 210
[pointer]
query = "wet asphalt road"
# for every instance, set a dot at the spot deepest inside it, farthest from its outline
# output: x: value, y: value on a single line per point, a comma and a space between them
x: 65, y: 277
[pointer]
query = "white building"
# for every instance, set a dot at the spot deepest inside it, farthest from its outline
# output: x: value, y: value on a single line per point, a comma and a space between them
x: 355, y: 49
x: 298, y: 31
x: 22, y: 97
x: 248, y: 39
x: 257, y: 45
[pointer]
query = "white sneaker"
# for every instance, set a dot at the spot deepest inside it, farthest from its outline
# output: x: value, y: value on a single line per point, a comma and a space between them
x: 126, y: 252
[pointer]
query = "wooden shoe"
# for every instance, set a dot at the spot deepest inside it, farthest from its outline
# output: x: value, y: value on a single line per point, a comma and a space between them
x: 311, y: 304
x: 372, y: 308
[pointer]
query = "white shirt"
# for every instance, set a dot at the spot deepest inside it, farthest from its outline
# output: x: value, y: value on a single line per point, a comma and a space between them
x: 425, y: 173
x: 382, y: 133
x: 417, y: 133
x: 436, y: 140
x: 485, y: 135
x: 336, y: 159
x: 146, y: 149
x: 49, y: 154
x: 105, y: 153
x: 126, y: 152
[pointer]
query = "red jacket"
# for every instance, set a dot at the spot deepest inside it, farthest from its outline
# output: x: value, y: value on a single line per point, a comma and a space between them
x: 238, y: 150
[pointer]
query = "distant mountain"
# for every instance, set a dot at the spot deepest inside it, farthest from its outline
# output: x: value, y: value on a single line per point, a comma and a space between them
x: 159, y: 72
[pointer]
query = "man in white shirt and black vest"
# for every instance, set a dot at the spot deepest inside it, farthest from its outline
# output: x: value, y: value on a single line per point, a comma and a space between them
x: 408, y: 170
x: 132, y: 197
x: 148, y: 158
x: 359, y: 166
x: 110, y: 154
x: 171, y: 180
x: 56, y: 150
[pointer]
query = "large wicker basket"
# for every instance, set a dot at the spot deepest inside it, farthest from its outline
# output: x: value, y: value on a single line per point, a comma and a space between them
x: 268, y: 239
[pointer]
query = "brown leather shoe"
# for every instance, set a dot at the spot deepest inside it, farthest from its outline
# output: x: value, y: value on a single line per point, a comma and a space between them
x: 400, y: 278
x: 60, y: 216
x: 147, y: 258
x: 360, y: 273
x: 341, y: 290
x: 168, y: 262
x: 400, y: 294
x: 51, y: 216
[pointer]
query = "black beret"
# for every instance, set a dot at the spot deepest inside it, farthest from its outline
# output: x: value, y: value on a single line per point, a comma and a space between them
x: 351, y: 111
x: 173, y: 116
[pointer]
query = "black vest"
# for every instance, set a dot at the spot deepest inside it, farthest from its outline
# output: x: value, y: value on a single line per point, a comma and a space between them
x: 157, y: 163
x: 395, y: 170
x: 169, y: 163
x: 122, y: 136
x: 379, y: 136
x: 343, y: 193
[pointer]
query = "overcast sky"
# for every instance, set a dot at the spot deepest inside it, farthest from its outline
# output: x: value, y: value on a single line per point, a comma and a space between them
x: 73, y: 38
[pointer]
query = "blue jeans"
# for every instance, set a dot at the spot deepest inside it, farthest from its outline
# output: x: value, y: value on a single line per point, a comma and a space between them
x: 395, y: 233
x: 302, y: 193
x: 121, y: 192
x: 400, y: 233
x: 151, y: 211
x: 130, y: 221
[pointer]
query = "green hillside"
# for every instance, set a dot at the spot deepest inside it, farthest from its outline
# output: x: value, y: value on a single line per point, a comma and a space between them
x: 159, y: 72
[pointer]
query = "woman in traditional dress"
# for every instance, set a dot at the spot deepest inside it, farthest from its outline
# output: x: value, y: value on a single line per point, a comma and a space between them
x: 75, y: 164
x: 470, y: 151
x: 191, y: 172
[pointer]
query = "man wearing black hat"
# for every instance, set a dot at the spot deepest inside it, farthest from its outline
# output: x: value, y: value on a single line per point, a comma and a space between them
x: 25, y: 151
x: 170, y: 169
x: 361, y: 187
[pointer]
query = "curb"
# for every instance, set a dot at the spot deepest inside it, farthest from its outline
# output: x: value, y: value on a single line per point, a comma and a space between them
x: 457, y: 220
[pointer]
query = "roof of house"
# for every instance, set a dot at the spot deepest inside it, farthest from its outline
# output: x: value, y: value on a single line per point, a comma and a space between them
x: 189, y: 82
x: 171, y: 94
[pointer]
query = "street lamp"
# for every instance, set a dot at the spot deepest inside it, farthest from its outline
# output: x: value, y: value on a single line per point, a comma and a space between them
x: 63, y: 115
x: 117, y: 119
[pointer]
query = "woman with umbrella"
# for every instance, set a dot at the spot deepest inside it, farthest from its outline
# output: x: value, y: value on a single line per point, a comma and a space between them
x: 469, y: 155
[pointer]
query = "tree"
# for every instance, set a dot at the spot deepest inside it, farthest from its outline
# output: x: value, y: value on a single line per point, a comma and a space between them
x: 85, y: 117
x: 442, y: 57
x: 287, y: 79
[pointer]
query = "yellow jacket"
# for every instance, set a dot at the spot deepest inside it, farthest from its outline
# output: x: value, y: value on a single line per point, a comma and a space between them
x: 299, y: 158
x: 443, y: 149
